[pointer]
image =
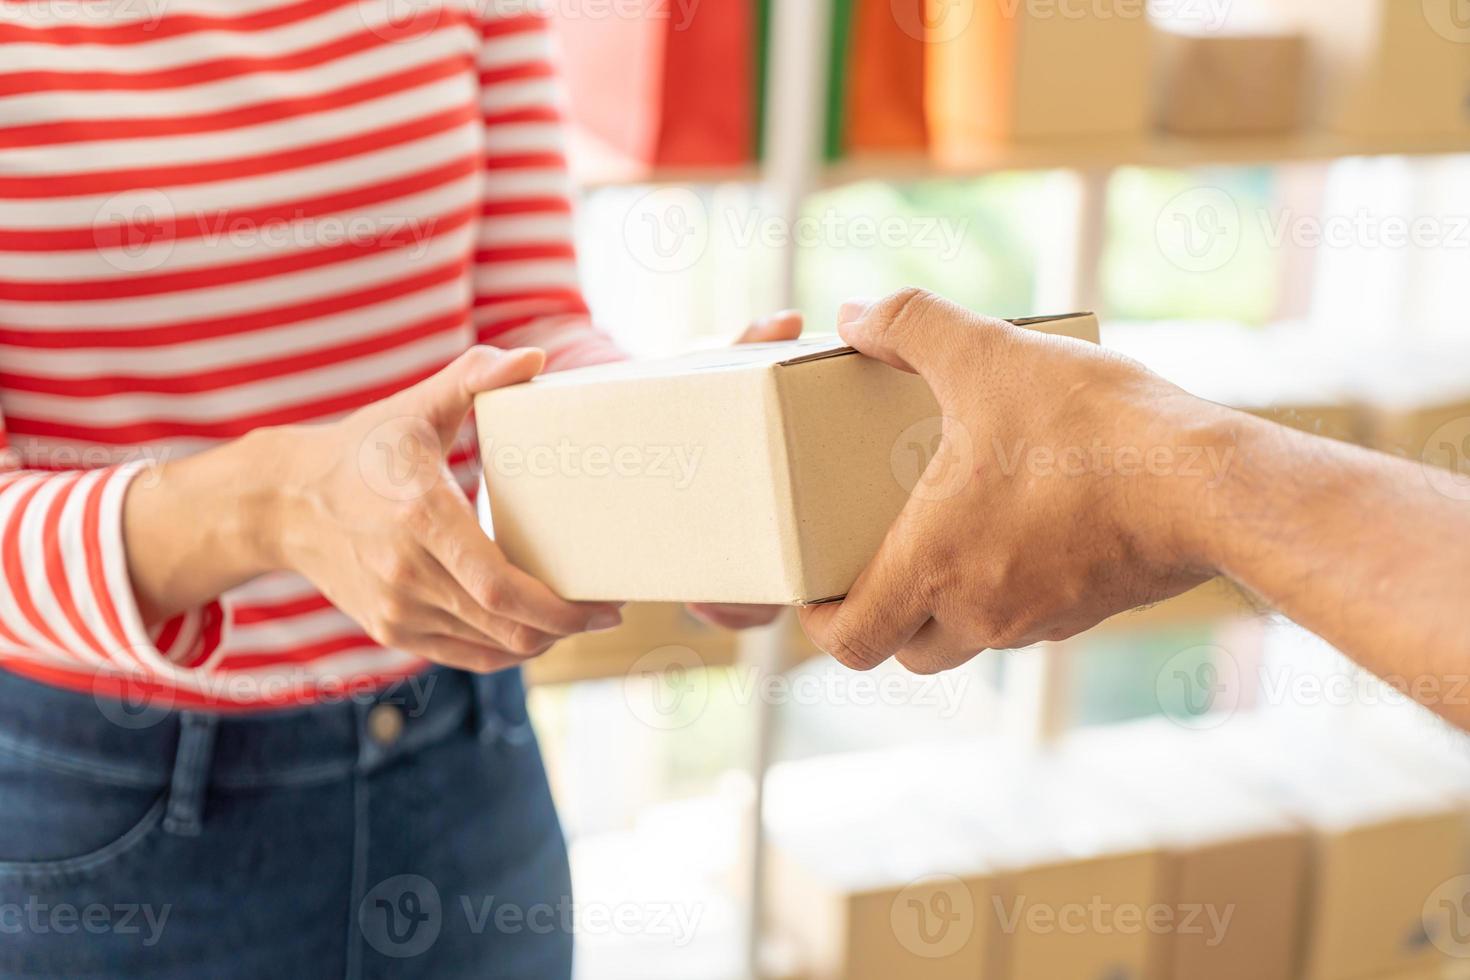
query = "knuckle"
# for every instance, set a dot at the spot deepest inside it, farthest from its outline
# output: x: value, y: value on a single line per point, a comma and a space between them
x: 853, y: 648
x: 388, y: 631
x: 525, y: 641
x: 492, y: 592
x: 903, y: 309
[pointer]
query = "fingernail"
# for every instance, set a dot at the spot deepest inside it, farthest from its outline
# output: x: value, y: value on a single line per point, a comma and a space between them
x: 603, y: 621
x: 853, y: 309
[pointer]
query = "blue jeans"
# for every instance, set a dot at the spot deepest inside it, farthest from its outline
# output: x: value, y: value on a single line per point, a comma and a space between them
x: 408, y: 833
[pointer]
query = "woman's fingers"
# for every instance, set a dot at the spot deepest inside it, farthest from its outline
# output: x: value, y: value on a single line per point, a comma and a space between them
x: 785, y: 325
x: 734, y: 617
x: 454, y: 538
x: 451, y: 611
x: 454, y: 652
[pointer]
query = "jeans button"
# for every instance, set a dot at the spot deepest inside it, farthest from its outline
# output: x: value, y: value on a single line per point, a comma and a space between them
x: 385, y: 724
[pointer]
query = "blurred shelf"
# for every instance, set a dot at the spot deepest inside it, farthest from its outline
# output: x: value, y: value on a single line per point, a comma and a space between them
x: 1156, y: 151
x: 594, y: 178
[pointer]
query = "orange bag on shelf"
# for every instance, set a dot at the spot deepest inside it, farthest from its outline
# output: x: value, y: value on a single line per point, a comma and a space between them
x: 672, y: 87
x: 885, y: 95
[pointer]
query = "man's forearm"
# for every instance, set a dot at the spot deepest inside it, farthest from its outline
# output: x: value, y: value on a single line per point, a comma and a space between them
x: 1354, y: 545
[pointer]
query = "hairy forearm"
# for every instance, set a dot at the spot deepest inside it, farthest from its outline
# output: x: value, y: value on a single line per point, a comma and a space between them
x: 1354, y: 545
x: 196, y: 527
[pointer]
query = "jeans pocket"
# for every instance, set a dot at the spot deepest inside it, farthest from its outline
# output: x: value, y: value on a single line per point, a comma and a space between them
x: 66, y: 824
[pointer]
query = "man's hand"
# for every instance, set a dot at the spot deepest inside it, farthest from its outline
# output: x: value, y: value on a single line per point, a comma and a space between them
x: 785, y: 325
x: 1059, y: 495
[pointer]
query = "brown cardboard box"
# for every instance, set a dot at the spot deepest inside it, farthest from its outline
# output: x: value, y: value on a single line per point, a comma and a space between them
x: 1231, y: 84
x: 762, y: 474
x: 1077, y: 881
x: 647, y: 629
x: 1234, y: 867
x: 920, y: 926
x: 955, y: 860
x: 1390, y: 67
x: 866, y: 877
x: 1014, y: 72
x: 1383, y: 842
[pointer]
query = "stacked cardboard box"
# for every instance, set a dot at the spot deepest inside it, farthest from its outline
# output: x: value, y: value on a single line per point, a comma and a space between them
x: 1212, y: 84
x: 1383, y: 841
x: 1390, y: 67
x: 884, y: 866
x: 1234, y: 866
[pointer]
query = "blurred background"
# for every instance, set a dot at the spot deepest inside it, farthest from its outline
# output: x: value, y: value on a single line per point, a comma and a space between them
x: 1268, y: 201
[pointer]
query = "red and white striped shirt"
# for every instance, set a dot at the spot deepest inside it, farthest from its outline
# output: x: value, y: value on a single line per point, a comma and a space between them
x: 223, y: 214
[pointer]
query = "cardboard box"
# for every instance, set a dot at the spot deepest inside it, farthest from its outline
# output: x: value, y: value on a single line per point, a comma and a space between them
x: 1390, y: 67
x: 767, y: 473
x: 1234, y: 867
x: 850, y: 923
x: 1383, y: 842
x: 1231, y: 84
x: 866, y: 879
x: 955, y: 861
x: 1015, y: 72
x: 1077, y: 881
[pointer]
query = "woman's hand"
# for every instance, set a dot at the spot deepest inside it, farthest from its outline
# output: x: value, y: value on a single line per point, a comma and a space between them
x: 785, y: 325
x: 366, y: 509
x: 369, y: 512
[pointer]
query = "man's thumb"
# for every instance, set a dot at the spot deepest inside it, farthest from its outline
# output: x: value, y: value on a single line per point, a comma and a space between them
x: 912, y: 329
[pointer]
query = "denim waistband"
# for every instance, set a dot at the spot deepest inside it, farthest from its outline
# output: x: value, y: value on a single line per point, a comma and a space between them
x: 112, y: 741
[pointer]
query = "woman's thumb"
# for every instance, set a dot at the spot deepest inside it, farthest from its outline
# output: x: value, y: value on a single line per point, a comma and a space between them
x: 447, y: 397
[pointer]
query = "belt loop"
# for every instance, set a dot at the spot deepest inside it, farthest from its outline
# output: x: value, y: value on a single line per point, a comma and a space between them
x: 191, y: 774
x: 501, y: 700
x: 488, y: 723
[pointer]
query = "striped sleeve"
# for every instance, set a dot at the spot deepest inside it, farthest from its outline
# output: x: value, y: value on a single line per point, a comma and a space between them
x: 67, y: 595
x: 526, y: 291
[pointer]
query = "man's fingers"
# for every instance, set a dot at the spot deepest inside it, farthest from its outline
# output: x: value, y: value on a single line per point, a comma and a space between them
x: 444, y: 399
x: 914, y: 330
x: 785, y: 325
x: 934, y: 648
x: 879, y: 615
